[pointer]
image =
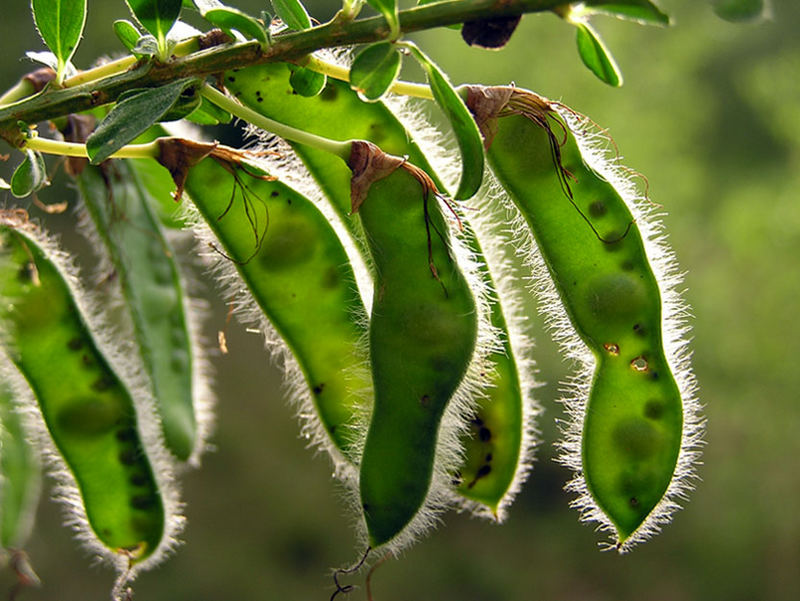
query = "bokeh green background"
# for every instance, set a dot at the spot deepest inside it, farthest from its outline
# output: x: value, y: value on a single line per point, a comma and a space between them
x: 710, y: 112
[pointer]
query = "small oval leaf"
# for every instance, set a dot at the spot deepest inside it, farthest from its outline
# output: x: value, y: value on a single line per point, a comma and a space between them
x: 306, y: 82
x: 641, y: 11
x: 739, y: 10
x: 466, y: 131
x: 293, y: 13
x: 596, y: 56
x: 374, y: 70
x: 60, y: 23
x: 156, y: 16
x: 127, y: 33
x: 230, y: 18
x: 134, y: 115
x: 29, y: 176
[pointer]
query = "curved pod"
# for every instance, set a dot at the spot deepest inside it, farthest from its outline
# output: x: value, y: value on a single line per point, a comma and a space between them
x: 423, y: 329
x: 632, y: 428
x: 126, y: 507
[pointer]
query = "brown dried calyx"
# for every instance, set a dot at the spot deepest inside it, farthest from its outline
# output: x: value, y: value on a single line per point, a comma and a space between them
x: 179, y: 155
x: 370, y: 164
x: 487, y: 103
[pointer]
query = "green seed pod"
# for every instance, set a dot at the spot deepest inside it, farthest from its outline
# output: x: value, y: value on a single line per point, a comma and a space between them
x: 152, y: 291
x: 635, y: 428
x: 423, y: 330
x: 505, y: 372
x: 301, y: 289
x: 114, y: 475
x: 20, y: 470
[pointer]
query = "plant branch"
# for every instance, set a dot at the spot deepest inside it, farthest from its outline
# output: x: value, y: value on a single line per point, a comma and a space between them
x: 286, y: 46
x: 71, y: 149
x: 292, y: 134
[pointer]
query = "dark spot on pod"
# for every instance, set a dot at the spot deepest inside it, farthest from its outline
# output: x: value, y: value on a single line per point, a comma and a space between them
x: 128, y: 457
x: 143, y: 502
x: 126, y: 435
x: 639, y: 329
x: 332, y: 429
x: 377, y: 133
x: 330, y: 278
x: 259, y: 99
x: 653, y: 375
x: 274, y: 193
x: 231, y: 78
x: 288, y: 201
x: 654, y: 409
x: 488, y: 457
x: 75, y: 344
x: 25, y: 273
x: 87, y: 360
x: 485, y: 470
x: 597, y: 208
x: 627, y: 266
x: 106, y: 532
x: 139, y: 480
x: 477, y: 422
x: 424, y: 400
x: 634, y: 502
x: 319, y: 388
x: 294, y: 92
x: 328, y: 93
x: 102, y: 383
x: 485, y: 434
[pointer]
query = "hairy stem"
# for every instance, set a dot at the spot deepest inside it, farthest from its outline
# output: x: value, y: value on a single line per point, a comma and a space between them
x: 292, y: 134
x: 71, y: 149
x: 404, y: 88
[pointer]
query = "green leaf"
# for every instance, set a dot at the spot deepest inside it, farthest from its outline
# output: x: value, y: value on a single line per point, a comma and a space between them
x: 131, y: 117
x: 209, y: 113
x: 127, y: 33
x: 466, y: 131
x: 596, y: 56
x: 306, y: 82
x: 293, y: 13
x: 60, y: 23
x: 374, y: 70
x: 230, y: 18
x: 157, y: 17
x: 388, y: 8
x: 641, y: 11
x: 739, y: 10
x: 29, y: 176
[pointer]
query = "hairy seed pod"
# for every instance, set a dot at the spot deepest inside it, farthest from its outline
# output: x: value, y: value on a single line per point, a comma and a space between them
x: 106, y: 450
x: 637, y: 428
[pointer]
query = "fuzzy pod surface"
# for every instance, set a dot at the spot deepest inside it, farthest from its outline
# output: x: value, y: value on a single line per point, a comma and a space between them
x: 633, y: 431
x: 104, y: 458
x: 153, y: 295
x: 499, y: 441
x: 423, y: 331
x: 298, y: 273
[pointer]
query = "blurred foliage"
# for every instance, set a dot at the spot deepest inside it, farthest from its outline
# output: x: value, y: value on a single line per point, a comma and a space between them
x: 710, y: 112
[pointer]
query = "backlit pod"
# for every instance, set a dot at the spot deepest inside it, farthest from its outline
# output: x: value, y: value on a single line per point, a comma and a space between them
x: 635, y: 429
x: 500, y: 442
x: 422, y: 335
x: 20, y: 470
x: 152, y: 291
x: 299, y: 275
x: 114, y: 474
